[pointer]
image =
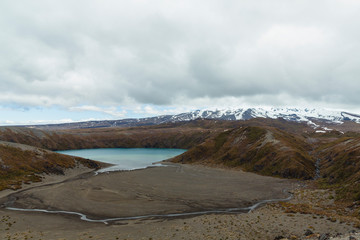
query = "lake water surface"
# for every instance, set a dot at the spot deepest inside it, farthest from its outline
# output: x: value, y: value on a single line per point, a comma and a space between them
x: 126, y: 158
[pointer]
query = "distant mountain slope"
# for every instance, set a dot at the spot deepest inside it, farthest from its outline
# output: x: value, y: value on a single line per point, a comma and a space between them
x: 172, y: 135
x: 317, y: 118
x: 167, y: 135
x: 268, y: 151
x: 131, y: 122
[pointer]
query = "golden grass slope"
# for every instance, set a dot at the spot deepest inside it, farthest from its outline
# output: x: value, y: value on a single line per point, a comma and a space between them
x: 23, y: 164
x: 164, y: 136
x: 340, y: 166
x: 264, y: 150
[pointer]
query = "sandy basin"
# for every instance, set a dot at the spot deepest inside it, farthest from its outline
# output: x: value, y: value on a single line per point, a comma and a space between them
x: 157, y: 190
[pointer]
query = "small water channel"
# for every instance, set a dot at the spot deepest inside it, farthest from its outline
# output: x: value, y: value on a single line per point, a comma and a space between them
x: 171, y: 215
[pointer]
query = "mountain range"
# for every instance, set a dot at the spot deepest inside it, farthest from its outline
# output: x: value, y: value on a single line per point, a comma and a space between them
x: 319, y: 119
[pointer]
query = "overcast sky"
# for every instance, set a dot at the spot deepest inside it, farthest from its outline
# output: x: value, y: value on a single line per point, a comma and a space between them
x: 109, y: 59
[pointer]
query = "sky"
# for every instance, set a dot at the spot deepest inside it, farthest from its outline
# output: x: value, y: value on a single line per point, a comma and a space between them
x: 64, y: 61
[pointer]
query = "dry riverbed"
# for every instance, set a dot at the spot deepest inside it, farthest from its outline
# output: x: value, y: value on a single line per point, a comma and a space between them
x: 164, y: 190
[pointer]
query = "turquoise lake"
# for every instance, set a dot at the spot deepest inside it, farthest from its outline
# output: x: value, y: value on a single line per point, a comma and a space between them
x: 126, y: 158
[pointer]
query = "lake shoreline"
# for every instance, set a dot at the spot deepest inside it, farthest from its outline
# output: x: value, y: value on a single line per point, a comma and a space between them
x: 122, y: 159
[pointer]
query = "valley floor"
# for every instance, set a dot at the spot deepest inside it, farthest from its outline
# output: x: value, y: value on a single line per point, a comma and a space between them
x: 161, y: 190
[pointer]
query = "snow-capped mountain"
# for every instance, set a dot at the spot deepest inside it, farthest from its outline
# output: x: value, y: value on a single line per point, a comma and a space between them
x: 313, y: 117
x: 290, y: 114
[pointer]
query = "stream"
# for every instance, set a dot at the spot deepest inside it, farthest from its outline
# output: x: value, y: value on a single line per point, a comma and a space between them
x: 317, y: 169
x: 107, y: 220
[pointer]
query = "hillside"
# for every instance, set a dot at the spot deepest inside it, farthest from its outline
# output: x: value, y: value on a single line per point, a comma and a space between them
x: 23, y: 164
x: 340, y: 166
x: 162, y: 136
x: 264, y: 150
x: 168, y: 135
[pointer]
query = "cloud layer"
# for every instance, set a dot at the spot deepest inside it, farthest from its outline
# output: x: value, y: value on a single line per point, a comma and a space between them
x: 85, y: 54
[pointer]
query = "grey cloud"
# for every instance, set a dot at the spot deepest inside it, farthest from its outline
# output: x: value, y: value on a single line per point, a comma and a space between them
x: 112, y: 52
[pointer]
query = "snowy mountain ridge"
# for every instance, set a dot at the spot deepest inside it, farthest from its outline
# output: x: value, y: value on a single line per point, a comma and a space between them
x: 290, y: 114
x: 315, y: 118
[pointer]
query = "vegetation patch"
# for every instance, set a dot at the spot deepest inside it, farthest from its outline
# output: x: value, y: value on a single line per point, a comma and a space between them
x: 19, y: 166
x: 267, y: 151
